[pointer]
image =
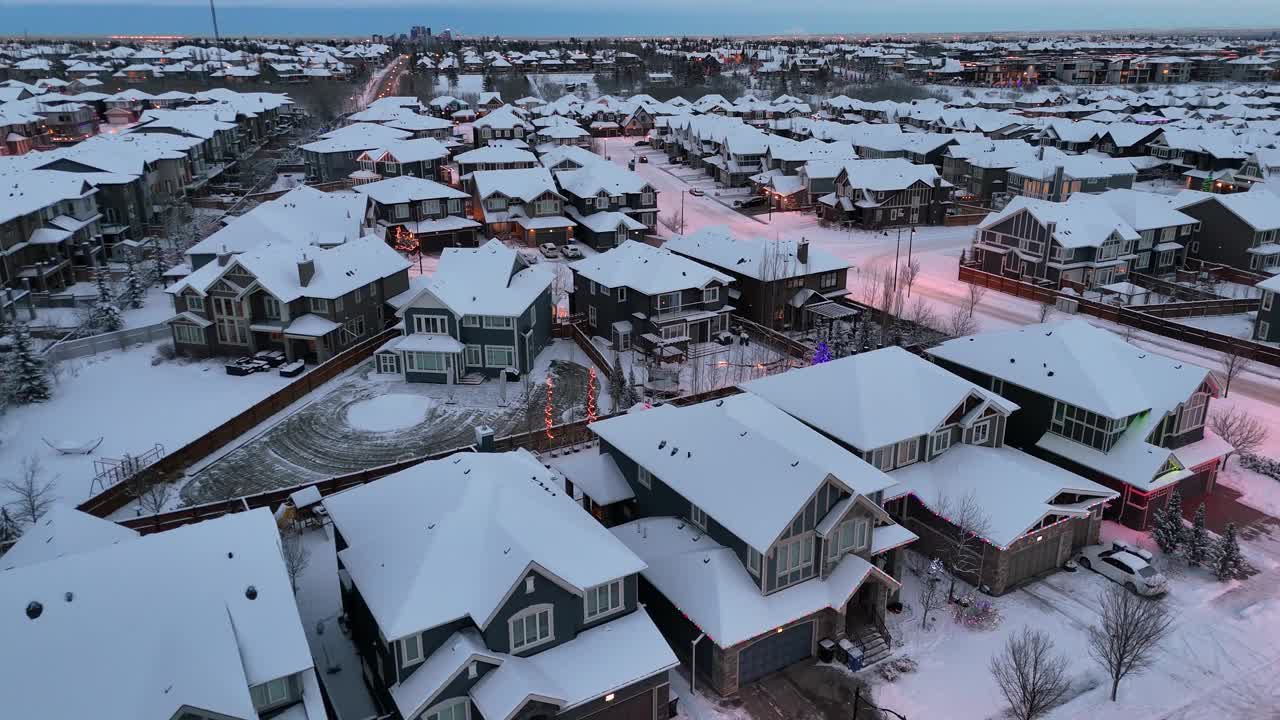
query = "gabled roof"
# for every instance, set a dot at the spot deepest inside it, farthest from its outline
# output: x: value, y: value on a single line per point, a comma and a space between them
x: 63, y: 531
x: 406, y: 188
x: 601, y: 177
x: 488, y: 280
x: 526, y: 184
x: 1145, y: 210
x: 873, y: 399
x: 482, y: 520
x: 757, y: 258
x: 888, y: 174
x: 1082, y: 221
x: 646, y: 269
x: 750, y: 466
x: 1259, y: 210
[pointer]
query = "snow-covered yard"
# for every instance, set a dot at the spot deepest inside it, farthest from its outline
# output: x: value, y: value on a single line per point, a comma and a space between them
x: 1239, y: 325
x: 156, y: 307
x: 710, y: 366
x: 133, y: 405
x: 287, y: 181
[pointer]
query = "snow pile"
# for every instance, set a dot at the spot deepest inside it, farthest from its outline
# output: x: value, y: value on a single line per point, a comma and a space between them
x: 389, y: 412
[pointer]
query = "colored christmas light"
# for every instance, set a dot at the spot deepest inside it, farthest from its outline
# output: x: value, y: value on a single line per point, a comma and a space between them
x: 546, y: 414
x: 591, y: 396
x: 821, y: 354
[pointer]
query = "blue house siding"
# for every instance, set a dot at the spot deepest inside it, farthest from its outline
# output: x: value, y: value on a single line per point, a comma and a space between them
x: 569, y: 612
x: 431, y: 641
x: 805, y: 521
x: 422, y: 376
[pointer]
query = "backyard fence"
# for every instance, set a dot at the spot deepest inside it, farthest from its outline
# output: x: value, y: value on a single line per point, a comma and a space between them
x: 92, y: 345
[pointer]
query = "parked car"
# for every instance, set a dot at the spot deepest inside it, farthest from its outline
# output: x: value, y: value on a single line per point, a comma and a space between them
x: 529, y: 256
x: 641, y: 143
x: 549, y: 250
x: 571, y: 251
x: 696, y: 192
x: 644, y: 159
x: 753, y: 201
x: 1126, y: 565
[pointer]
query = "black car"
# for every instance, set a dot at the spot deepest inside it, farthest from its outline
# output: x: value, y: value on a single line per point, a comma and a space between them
x: 641, y: 143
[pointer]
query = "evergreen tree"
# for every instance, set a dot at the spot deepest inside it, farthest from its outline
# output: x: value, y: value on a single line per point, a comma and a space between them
x: 1167, y: 529
x: 1228, y: 562
x: 134, y: 287
x: 8, y: 528
x: 618, y: 384
x: 1197, y: 540
x: 105, y: 315
x: 633, y: 393
x: 28, y: 377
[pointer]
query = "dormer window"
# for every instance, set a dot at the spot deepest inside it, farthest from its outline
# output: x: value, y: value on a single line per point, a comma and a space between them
x: 410, y: 651
x: 430, y: 324
x: 531, y: 627
x: 603, y: 600
x: 981, y: 433
x: 939, y: 441
x: 848, y: 536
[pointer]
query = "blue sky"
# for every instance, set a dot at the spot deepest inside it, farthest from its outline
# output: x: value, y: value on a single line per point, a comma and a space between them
x: 616, y: 17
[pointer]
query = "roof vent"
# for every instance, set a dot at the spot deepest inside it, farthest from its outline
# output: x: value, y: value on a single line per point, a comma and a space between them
x: 1050, y: 373
x: 662, y: 444
x: 251, y: 592
x: 230, y: 555
x: 34, y: 609
x: 1012, y: 360
x: 69, y: 596
x: 674, y: 450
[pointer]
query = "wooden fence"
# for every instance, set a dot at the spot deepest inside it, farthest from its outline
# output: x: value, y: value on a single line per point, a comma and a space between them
x: 1199, y: 308
x: 1145, y: 321
x: 117, y: 496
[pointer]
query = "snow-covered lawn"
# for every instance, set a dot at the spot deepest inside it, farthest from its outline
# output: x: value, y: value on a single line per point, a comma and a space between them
x: 133, y: 405
x: 714, y: 366
x: 287, y: 181
x: 156, y: 307
x: 1239, y: 325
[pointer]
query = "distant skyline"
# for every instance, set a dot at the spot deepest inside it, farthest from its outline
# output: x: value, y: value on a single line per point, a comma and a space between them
x: 555, y: 18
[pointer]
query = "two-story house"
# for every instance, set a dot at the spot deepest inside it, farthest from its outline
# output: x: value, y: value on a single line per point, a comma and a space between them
x: 337, y: 153
x: 49, y: 229
x: 1090, y: 402
x: 484, y: 312
x: 891, y: 192
x: 523, y: 204
x: 1166, y: 232
x: 650, y: 298
x: 502, y: 124
x: 492, y: 157
x: 776, y: 283
x: 421, y: 158
x: 1266, y: 323
x: 761, y: 536
x: 1240, y: 229
x: 941, y: 438
x: 308, y: 301
x: 206, y: 611
x: 541, y: 618
x: 610, y: 204
x: 419, y: 215
x: 1060, y: 178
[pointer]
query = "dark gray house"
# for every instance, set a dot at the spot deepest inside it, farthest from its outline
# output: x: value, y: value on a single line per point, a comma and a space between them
x: 1241, y: 229
x: 1060, y: 178
x: 628, y: 203
x: 890, y: 192
x: 541, y: 620
x: 337, y: 153
x: 422, y: 158
x: 416, y: 215
x: 650, y: 298
x: 484, y: 312
x: 1266, y: 326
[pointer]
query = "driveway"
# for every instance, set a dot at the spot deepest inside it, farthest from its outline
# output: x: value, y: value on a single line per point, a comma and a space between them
x: 806, y: 691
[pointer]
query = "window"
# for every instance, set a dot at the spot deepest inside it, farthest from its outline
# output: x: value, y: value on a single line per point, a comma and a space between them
x: 355, y: 295
x: 591, y: 287
x: 939, y: 441
x: 1166, y: 258
x: 546, y: 207
x: 528, y: 585
x: 622, y: 294
x: 471, y: 321
x: 337, y: 305
x: 592, y: 315
x: 387, y: 363
x: 711, y: 294
x: 849, y: 535
x: 981, y: 432
x: 794, y: 556
x: 473, y: 671
x: 188, y: 334
x: 424, y: 361
x: 499, y: 356
x: 271, y: 307
x: 531, y: 627
x: 908, y: 451
x: 226, y: 307
x: 1191, y: 416
x: 881, y: 458
x: 604, y: 599
x: 697, y: 516
x: 431, y: 324
x: 533, y: 315
x: 270, y: 693
x: 646, y: 198
x: 355, y: 326
x: 232, y: 332
x: 474, y: 356
x: 669, y: 302
x: 319, y: 305
x: 400, y: 211
x: 1267, y: 297
x: 644, y: 478
x: 196, y: 303
x: 753, y: 561
x: 673, y: 332
x: 455, y: 206
x: 602, y: 290
x: 828, y: 279
x: 430, y: 207
x: 1264, y: 330
x: 494, y: 322
x: 1086, y: 427
x: 410, y: 650
x: 455, y: 709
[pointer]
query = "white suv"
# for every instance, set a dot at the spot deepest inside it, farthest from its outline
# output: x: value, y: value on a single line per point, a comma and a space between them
x: 1126, y: 565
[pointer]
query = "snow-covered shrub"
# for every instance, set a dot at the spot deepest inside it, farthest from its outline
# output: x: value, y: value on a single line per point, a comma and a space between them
x: 977, y: 614
x: 893, y: 667
x: 1261, y: 465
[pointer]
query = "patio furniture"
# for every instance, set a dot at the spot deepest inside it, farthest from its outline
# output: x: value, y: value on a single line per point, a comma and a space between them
x: 293, y: 369
x: 70, y: 447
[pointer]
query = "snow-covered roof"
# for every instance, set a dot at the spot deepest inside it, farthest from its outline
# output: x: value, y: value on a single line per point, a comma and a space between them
x: 191, y: 617
x: 758, y: 258
x: 1082, y: 221
x: 1259, y: 210
x: 1145, y: 210
x: 888, y: 174
x: 709, y: 585
x: 646, y: 269
x: 406, y: 189
x: 1015, y: 490
x: 596, y: 474
x: 750, y: 466
x: 482, y: 520
x: 357, y: 136
x: 597, y: 178
x: 63, y: 531
x: 1079, y: 364
x: 495, y: 154
x: 526, y: 184
x: 488, y: 280
x: 303, y: 216
x: 873, y: 399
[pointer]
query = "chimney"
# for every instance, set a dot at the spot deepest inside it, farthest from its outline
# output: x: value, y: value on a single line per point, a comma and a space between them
x: 802, y: 252
x: 1040, y: 153
x: 224, y: 257
x: 306, y: 270
x: 1058, y: 174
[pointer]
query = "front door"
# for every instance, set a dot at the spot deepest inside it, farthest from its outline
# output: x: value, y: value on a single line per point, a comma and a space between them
x: 387, y: 363
x: 699, y: 331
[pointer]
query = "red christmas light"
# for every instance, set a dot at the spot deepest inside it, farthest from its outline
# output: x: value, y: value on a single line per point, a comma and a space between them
x: 591, y: 396
x: 546, y: 414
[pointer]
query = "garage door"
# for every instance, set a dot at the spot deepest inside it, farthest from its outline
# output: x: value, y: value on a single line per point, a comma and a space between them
x: 1033, y: 560
x: 1196, y: 485
x: 639, y: 707
x: 775, y: 652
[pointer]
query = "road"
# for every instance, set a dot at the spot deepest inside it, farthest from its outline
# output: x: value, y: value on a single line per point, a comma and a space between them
x: 383, y: 83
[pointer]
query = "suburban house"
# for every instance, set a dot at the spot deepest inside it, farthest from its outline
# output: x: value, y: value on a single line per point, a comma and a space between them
x: 941, y: 438
x: 524, y: 204
x: 610, y: 204
x: 337, y: 153
x: 195, y: 622
x: 776, y: 283
x: 1059, y: 178
x: 891, y: 192
x: 1266, y: 324
x: 484, y: 312
x: 501, y: 124
x: 1166, y: 232
x: 650, y: 298
x: 49, y: 230
x: 422, y: 158
x: 492, y: 157
x: 1240, y: 229
x: 760, y: 536
x: 308, y: 301
x: 543, y: 619
x: 1090, y: 402
x: 419, y: 215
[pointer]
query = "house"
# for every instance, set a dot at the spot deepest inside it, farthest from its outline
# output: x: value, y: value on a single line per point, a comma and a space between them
x: 650, y: 298
x: 1059, y: 178
x: 1122, y: 416
x: 492, y: 157
x: 221, y: 586
x: 876, y: 194
x: 942, y: 440
x: 308, y: 301
x: 421, y: 158
x: 337, y: 153
x: 1166, y: 232
x: 776, y: 283
x: 760, y: 536
x: 541, y: 595
x: 1241, y: 230
x: 1266, y: 324
x: 417, y: 215
x: 484, y: 312
x: 501, y: 124
x: 521, y: 203
x: 50, y: 234
x: 610, y: 204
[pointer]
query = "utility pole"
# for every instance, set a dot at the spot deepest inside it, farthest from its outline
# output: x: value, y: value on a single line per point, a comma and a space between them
x: 217, y: 39
x: 910, y: 240
x: 682, y: 194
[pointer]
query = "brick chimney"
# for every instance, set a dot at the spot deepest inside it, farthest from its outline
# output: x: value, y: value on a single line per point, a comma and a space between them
x: 802, y: 251
x: 306, y: 270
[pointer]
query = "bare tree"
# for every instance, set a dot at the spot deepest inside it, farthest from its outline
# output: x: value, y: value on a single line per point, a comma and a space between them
x: 33, y: 496
x: 922, y: 313
x: 973, y: 297
x: 153, y: 497
x: 1245, y: 432
x: 964, y: 552
x: 869, y: 282
x: 1031, y: 676
x: 909, y: 274
x: 1129, y: 634
x: 931, y: 597
x: 960, y: 323
x: 296, y: 556
x: 1233, y: 361
x: 1046, y: 310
